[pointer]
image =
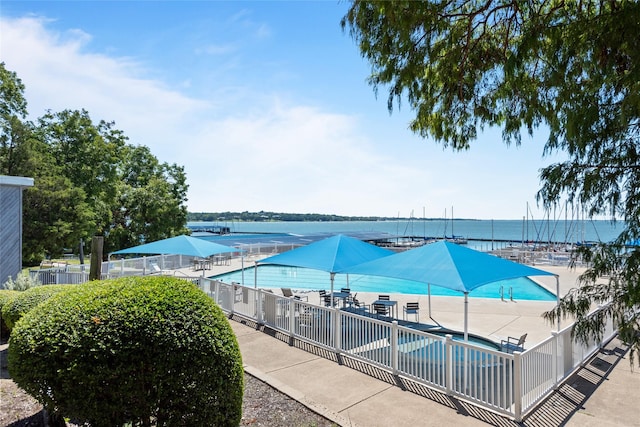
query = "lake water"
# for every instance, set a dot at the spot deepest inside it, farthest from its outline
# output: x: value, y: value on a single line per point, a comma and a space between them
x: 487, y: 230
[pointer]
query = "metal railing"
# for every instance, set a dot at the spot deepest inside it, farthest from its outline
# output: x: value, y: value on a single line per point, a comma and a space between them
x: 509, y: 384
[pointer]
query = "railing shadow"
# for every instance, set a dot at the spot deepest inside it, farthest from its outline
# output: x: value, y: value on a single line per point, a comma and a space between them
x: 576, y: 390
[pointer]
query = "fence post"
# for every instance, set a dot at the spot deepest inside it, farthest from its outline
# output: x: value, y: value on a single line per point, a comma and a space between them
x: 216, y: 292
x: 517, y: 386
x: 554, y: 357
x: 292, y: 319
x: 448, y: 348
x: 337, y: 329
x: 232, y: 298
x: 394, y: 347
x: 259, y: 315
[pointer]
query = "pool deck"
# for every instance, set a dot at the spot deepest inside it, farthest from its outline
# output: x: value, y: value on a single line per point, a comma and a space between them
x: 604, y: 392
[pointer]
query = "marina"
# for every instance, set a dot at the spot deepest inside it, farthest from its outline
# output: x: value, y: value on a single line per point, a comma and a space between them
x: 478, y: 233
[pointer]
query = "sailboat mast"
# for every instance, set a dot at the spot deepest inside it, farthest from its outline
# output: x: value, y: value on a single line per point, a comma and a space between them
x: 452, y: 233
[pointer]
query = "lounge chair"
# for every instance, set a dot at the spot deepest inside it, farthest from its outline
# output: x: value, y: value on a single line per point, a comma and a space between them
x: 512, y: 344
x: 155, y: 269
x: 287, y: 292
x: 411, y: 308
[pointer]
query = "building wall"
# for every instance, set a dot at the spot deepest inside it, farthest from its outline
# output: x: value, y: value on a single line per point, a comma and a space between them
x: 11, y: 225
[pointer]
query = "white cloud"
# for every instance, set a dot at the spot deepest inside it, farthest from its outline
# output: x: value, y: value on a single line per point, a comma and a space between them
x: 251, y: 150
x: 58, y: 74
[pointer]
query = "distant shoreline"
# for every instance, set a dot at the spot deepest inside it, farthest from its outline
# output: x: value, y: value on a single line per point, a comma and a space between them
x: 298, y: 217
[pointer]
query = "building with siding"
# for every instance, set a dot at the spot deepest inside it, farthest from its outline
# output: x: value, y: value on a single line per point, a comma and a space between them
x: 11, y: 225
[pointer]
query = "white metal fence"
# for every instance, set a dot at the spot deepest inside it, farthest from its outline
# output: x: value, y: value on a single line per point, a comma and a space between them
x: 76, y: 274
x: 509, y: 384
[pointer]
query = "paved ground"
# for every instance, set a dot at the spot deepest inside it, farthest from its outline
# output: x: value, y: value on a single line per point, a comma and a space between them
x: 604, y: 392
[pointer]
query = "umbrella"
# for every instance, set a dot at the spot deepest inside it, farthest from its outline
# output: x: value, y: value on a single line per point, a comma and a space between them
x: 447, y: 265
x: 331, y: 255
x: 180, y: 245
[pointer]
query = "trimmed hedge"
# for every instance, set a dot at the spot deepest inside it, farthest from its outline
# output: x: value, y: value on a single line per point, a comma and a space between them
x: 140, y: 350
x: 6, y: 296
x: 27, y: 300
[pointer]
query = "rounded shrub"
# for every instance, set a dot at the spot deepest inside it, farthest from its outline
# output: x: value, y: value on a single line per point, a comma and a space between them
x: 25, y: 301
x: 6, y: 296
x: 134, y: 350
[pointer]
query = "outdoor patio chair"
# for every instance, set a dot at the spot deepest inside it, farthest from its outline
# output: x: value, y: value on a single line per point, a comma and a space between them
x: 353, y: 301
x: 287, y: 292
x: 325, y: 299
x: 383, y: 297
x: 380, y: 310
x: 345, y: 290
x: 411, y: 308
x: 512, y: 344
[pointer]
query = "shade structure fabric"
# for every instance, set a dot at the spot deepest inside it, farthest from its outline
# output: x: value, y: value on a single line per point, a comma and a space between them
x: 331, y: 255
x: 180, y: 245
x: 447, y: 265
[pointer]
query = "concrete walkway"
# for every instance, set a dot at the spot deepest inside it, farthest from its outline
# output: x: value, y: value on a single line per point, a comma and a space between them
x: 605, y: 392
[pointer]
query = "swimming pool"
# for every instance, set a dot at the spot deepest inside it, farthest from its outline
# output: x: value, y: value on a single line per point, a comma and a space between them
x: 275, y: 277
x: 458, y: 336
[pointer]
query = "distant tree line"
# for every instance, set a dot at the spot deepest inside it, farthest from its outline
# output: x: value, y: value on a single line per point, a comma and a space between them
x: 88, y: 180
x: 277, y: 216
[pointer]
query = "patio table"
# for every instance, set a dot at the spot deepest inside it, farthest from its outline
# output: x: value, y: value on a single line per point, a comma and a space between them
x: 343, y: 296
x: 393, y: 305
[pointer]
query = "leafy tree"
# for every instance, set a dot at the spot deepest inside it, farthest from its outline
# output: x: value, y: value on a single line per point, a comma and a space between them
x: 55, y: 216
x: 55, y: 213
x: 567, y: 67
x: 151, y: 198
x: 88, y: 180
x: 88, y: 155
x: 13, y: 110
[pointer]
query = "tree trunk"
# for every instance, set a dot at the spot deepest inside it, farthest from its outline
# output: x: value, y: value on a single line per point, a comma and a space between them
x: 96, y: 257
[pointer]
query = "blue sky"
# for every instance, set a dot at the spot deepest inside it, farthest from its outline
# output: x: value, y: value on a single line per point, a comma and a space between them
x: 265, y: 104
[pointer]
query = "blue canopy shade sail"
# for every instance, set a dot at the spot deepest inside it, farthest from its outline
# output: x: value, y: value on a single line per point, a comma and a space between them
x: 450, y: 266
x: 180, y: 245
x: 447, y: 265
x: 331, y: 255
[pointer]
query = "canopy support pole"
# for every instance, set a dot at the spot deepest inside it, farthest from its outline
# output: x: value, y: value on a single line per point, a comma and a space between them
x: 429, y: 294
x: 333, y: 275
x: 255, y: 275
x: 242, y: 265
x: 558, y: 297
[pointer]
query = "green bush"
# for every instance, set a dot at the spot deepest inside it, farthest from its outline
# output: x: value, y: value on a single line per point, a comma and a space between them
x: 6, y: 295
x: 138, y: 350
x: 27, y: 300
x: 23, y: 282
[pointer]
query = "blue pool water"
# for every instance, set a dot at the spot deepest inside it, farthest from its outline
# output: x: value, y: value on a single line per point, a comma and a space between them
x: 275, y: 277
x: 459, y: 336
